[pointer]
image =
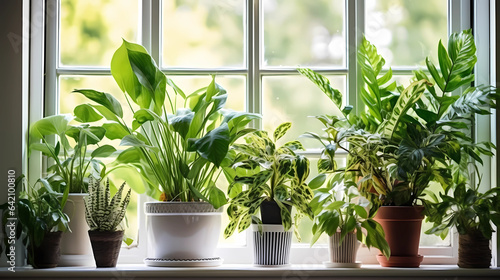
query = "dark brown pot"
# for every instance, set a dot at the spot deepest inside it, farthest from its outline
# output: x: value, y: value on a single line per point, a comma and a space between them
x: 270, y: 212
x: 48, y: 253
x: 402, y: 226
x: 474, y: 250
x: 106, y: 247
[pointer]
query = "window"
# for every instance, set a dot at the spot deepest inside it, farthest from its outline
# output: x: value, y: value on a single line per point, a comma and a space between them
x: 254, y: 47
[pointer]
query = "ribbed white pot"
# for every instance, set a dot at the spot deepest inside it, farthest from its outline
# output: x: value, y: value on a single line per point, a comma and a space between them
x: 179, y: 231
x: 345, y: 252
x: 271, y: 245
x: 76, y: 249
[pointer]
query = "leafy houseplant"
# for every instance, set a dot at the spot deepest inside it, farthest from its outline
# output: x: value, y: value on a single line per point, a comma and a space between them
x: 177, y: 142
x: 40, y: 223
x: 409, y: 137
x: 341, y: 213
x: 68, y: 170
x: 104, y: 214
x: 464, y: 207
x: 275, y: 179
x: 178, y: 150
x: 270, y: 173
x: 71, y: 164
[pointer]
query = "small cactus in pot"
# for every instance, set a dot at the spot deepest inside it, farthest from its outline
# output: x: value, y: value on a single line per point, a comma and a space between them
x: 104, y: 215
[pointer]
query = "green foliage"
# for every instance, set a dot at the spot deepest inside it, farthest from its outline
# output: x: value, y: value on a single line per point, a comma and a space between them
x: 463, y: 206
x: 339, y: 208
x: 269, y: 172
x: 39, y: 211
x: 408, y: 137
x: 177, y: 142
x: 71, y: 165
x: 103, y: 212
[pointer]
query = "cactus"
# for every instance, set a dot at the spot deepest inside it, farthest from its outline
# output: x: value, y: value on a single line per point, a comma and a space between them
x: 101, y: 212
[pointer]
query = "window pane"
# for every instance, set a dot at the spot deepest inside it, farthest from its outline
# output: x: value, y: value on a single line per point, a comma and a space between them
x: 90, y: 31
x: 306, y: 33
x: 294, y: 99
x: 405, y: 31
x: 203, y: 33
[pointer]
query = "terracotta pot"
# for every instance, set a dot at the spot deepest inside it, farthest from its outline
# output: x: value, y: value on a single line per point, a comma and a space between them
x: 48, y: 253
x: 402, y: 225
x: 106, y: 247
x: 270, y: 212
x: 474, y: 250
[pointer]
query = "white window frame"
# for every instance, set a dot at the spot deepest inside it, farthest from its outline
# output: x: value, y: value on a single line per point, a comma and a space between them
x: 44, y: 95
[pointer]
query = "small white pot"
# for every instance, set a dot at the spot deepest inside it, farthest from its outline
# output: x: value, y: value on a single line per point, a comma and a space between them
x: 181, y: 232
x: 271, y: 245
x: 76, y: 249
x: 343, y: 254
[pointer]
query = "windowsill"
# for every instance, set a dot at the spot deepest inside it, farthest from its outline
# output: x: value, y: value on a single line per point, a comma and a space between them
x: 306, y: 271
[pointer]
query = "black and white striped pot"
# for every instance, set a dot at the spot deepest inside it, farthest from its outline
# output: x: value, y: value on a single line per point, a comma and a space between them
x: 343, y: 254
x: 271, y: 245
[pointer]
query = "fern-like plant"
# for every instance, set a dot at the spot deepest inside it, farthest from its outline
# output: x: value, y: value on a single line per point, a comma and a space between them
x: 103, y: 212
x: 407, y: 137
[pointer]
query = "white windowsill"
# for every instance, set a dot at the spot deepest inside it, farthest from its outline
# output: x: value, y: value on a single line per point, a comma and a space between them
x: 141, y: 271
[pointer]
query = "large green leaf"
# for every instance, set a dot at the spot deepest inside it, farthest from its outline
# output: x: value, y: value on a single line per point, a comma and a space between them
x: 181, y: 121
x: 457, y: 64
x: 405, y: 101
x: 216, y: 197
x: 103, y: 151
x: 150, y: 77
x: 324, y: 84
x: 52, y: 125
x: 105, y: 99
x: 121, y: 70
x: 86, y: 113
x: 213, y: 146
x: 115, y: 130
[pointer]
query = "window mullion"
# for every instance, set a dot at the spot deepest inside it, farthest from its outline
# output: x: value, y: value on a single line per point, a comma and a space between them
x: 253, y: 53
x: 355, y: 26
x: 52, y: 58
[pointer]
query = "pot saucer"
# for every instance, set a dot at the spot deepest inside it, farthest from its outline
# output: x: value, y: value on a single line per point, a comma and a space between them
x: 400, y: 261
x: 342, y: 265
x: 184, y: 262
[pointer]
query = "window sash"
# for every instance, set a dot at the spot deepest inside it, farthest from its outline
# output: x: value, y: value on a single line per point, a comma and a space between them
x: 459, y: 18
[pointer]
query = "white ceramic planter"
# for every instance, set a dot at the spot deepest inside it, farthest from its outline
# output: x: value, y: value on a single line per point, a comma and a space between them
x: 182, y: 233
x: 343, y: 254
x: 76, y: 249
x: 271, y: 245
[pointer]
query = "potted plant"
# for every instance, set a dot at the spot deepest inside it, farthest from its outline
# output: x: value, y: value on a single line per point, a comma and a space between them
x: 341, y: 213
x: 40, y: 223
x: 409, y: 137
x: 104, y: 213
x: 275, y: 180
x: 472, y: 213
x: 68, y: 169
x: 178, y: 143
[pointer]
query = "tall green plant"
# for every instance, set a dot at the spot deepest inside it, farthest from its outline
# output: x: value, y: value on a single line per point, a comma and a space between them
x: 178, y: 142
x: 422, y: 128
